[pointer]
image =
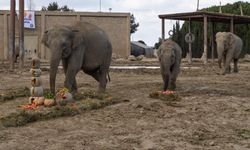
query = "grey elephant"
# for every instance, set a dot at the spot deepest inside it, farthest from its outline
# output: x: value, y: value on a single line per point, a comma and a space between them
x: 169, y: 54
x: 229, y: 48
x: 82, y: 46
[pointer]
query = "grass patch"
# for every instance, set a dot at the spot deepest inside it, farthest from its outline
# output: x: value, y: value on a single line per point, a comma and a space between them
x: 243, y: 133
x: 23, y: 92
x: 24, y: 117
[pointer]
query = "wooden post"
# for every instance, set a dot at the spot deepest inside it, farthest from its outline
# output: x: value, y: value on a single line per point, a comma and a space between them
x: 78, y: 17
x: 189, y: 44
x: 213, y: 44
x: 232, y: 25
x: 43, y: 26
x: 162, y: 30
x: 21, y: 34
x: 5, y: 36
x: 204, y: 56
x: 12, y: 34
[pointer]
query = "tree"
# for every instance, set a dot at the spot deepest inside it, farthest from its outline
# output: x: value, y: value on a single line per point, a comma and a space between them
x: 133, y: 25
x: 55, y: 7
x: 157, y: 44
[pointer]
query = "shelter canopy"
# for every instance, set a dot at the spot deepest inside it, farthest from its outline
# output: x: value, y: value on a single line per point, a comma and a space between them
x: 212, y: 16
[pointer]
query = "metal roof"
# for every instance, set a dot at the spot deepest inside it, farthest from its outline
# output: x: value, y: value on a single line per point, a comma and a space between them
x: 212, y: 16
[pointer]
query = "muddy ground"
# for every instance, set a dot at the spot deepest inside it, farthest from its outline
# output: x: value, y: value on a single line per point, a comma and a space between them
x: 213, y: 113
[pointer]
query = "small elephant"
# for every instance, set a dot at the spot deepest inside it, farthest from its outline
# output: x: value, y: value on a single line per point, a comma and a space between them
x: 82, y: 46
x: 169, y: 54
x: 229, y: 47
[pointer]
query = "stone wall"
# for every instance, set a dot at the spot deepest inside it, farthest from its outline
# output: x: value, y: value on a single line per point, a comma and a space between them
x: 116, y: 25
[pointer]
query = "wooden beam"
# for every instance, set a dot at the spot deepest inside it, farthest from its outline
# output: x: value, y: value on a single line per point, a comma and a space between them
x: 213, y: 41
x: 204, y: 56
x: 162, y: 30
x: 21, y: 34
x: 189, y: 44
x: 43, y: 28
x: 12, y: 34
x: 5, y: 36
x: 232, y: 25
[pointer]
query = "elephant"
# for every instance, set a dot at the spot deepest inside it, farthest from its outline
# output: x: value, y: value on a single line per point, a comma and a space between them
x: 229, y: 48
x: 82, y: 46
x: 169, y: 54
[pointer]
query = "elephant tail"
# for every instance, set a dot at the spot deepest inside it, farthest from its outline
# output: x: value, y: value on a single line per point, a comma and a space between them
x: 109, y: 78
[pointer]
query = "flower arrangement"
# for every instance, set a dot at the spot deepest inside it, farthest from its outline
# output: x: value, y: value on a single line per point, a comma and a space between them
x: 49, y: 99
x: 49, y: 95
x: 63, y: 96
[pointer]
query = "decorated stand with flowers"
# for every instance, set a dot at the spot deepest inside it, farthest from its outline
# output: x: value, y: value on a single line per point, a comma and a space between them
x: 36, y: 91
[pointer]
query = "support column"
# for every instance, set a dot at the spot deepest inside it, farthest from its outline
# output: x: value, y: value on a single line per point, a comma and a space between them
x: 78, y: 18
x: 213, y: 42
x: 232, y: 25
x: 189, y: 44
x: 21, y: 34
x: 12, y: 34
x: 5, y: 36
x: 204, y: 56
x: 162, y: 30
x: 43, y: 24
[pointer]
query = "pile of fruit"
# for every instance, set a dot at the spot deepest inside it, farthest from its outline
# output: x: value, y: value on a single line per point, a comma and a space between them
x: 165, y: 95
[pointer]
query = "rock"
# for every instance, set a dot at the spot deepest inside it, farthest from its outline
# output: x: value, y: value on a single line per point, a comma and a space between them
x: 36, y: 72
x: 35, y: 62
x: 36, y: 81
x: 246, y: 58
x: 36, y: 91
x: 141, y: 57
x: 132, y: 58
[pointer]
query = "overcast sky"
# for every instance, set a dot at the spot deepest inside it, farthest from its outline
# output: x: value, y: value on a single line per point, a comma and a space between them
x: 145, y: 11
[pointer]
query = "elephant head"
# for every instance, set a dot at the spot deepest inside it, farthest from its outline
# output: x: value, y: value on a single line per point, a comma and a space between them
x: 224, y: 42
x: 62, y: 42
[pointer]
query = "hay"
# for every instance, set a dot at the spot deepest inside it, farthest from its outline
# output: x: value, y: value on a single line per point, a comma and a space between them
x: 243, y: 133
x: 24, y: 117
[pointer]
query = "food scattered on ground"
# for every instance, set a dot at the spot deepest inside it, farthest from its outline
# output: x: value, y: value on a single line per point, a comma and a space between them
x: 45, y: 113
x: 63, y: 96
x: 29, y: 106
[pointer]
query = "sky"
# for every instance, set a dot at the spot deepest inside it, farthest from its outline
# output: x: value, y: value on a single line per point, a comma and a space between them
x: 145, y: 11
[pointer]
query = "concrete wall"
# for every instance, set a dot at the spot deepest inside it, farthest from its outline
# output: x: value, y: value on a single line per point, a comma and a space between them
x: 116, y: 25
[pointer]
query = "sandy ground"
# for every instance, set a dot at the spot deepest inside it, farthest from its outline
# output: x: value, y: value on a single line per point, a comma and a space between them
x: 213, y: 113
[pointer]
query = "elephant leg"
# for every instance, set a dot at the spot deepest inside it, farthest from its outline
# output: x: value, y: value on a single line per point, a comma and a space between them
x: 173, y: 78
x: 65, y: 68
x: 166, y: 81
x: 100, y: 77
x: 227, y: 64
x: 236, y: 65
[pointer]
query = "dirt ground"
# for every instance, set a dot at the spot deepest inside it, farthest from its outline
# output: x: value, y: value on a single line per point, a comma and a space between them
x: 213, y: 113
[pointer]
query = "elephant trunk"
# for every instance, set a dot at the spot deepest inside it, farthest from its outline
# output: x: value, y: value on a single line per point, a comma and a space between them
x: 54, y: 63
x: 165, y: 71
x: 166, y: 82
x: 220, y: 51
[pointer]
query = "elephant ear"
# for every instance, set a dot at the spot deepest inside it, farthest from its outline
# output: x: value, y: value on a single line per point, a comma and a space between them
x: 77, y: 39
x: 218, y: 36
x: 45, y: 38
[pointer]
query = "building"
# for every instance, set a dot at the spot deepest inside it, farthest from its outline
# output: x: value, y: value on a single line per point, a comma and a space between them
x: 138, y: 48
x: 116, y: 25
